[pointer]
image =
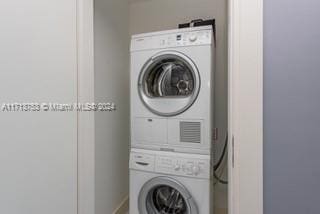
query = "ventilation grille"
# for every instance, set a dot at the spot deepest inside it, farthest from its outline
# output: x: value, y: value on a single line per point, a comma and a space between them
x: 190, y: 132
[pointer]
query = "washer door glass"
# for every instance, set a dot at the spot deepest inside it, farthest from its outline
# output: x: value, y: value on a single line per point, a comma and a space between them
x: 169, y: 83
x: 164, y: 195
x: 167, y: 200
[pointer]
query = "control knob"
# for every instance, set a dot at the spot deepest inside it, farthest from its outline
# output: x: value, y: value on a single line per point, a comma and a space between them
x: 193, y: 38
x: 177, y: 167
x: 196, y: 170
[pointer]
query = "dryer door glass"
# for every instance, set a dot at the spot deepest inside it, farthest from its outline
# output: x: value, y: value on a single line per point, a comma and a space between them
x: 169, y: 77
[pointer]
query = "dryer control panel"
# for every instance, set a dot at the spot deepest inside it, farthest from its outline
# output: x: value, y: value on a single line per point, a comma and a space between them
x: 185, y: 39
x: 189, y: 165
x: 173, y: 38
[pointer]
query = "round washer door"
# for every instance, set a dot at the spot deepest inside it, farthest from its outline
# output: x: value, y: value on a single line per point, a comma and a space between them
x: 163, y: 195
x: 169, y: 83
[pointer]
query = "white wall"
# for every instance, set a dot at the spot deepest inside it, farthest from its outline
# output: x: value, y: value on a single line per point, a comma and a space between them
x: 38, y: 63
x: 156, y: 15
x: 291, y: 107
x: 111, y: 85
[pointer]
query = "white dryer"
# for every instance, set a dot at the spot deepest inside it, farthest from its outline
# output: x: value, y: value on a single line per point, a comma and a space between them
x: 170, y: 183
x: 172, y: 90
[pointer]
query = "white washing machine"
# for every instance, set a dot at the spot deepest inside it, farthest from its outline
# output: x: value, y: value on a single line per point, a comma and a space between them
x: 172, y: 90
x: 170, y: 183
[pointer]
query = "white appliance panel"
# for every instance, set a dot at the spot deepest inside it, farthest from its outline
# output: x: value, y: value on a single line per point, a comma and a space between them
x: 150, y: 130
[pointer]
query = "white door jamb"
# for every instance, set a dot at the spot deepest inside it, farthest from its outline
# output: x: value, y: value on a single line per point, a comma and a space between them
x: 86, y: 148
x: 246, y: 107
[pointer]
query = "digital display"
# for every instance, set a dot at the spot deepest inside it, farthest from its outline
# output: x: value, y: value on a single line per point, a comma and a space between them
x: 178, y: 37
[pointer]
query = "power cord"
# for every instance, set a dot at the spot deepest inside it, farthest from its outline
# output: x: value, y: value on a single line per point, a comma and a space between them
x: 218, y: 164
x: 219, y: 179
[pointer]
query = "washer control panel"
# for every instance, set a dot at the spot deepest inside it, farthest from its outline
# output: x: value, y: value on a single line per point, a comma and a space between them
x: 191, y: 167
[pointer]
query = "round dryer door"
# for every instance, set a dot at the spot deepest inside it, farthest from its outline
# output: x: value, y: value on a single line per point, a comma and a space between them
x: 164, y: 195
x: 169, y: 83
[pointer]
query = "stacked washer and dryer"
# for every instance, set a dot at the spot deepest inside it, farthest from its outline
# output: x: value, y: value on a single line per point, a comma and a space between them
x: 171, y: 154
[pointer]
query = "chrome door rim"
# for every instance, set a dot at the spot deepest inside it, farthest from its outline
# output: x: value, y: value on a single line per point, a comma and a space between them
x: 182, y: 103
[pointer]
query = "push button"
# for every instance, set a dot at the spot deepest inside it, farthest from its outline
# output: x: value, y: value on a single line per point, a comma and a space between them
x: 193, y: 38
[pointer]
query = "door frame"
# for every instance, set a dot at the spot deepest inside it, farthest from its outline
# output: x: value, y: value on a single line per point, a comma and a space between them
x: 86, y: 125
x: 245, y: 107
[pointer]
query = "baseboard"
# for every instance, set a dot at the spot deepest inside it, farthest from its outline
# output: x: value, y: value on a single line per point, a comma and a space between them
x: 123, y: 207
x: 221, y: 210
